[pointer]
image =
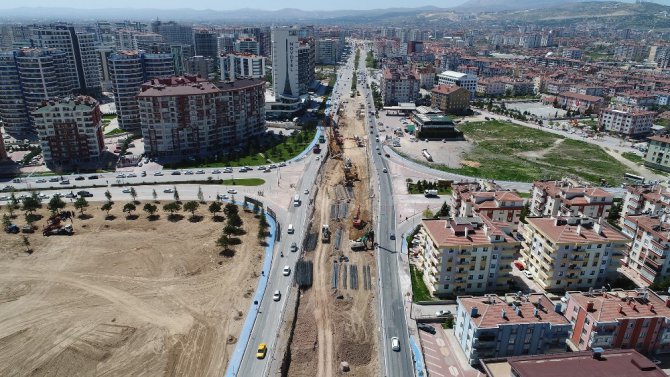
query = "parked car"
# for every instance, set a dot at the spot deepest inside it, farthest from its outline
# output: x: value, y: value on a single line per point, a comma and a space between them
x: 126, y: 190
x: 216, y: 171
x: 54, y: 179
x: 121, y: 175
x: 41, y: 180
x: 80, y: 178
x: 232, y: 191
x: 131, y: 175
x: 84, y: 194
x: 528, y: 274
x: 93, y: 177
x: 442, y: 313
x: 65, y: 182
x: 426, y: 327
x: 158, y: 174
x: 176, y: 172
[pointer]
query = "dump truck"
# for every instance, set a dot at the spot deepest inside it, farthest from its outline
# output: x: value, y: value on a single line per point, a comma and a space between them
x: 325, y: 233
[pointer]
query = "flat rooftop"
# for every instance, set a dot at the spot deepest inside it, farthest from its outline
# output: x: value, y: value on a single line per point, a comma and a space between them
x: 532, y: 308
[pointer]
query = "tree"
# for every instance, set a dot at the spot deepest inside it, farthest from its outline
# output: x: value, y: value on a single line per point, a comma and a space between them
x: 107, y: 207
x: 151, y: 209
x: 235, y: 220
x: 176, y: 194
x: 261, y: 234
x: 223, y: 241
x: 214, y: 208
x: 201, y: 196
x: 55, y: 204
x: 154, y: 195
x: 191, y: 206
x: 524, y: 212
x: 108, y: 195
x: 615, y: 213
x: 13, y: 201
x: 133, y: 193
x: 229, y: 229
x: 32, y: 203
x: 172, y: 207
x: 230, y: 209
x: 444, y: 210
x: 26, y: 243
x: 31, y: 218
x: 427, y: 213
x: 129, y: 208
x: 81, y: 204
x: 10, y: 209
x: 263, y: 222
x: 6, y: 221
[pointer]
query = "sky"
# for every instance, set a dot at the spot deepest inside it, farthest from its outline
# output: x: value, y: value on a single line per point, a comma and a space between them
x: 227, y: 4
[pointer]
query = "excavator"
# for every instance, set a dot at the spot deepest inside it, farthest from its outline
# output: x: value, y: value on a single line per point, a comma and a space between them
x: 362, y: 242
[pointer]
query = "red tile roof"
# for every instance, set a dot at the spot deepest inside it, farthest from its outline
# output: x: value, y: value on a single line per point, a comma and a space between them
x: 447, y: 89
x: 446, y: 233
x: 489, y: 310
x: 620, y: 304
x: 558, y: 231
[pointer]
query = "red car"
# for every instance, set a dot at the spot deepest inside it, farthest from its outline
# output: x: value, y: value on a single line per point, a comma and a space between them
x: 519, y: 265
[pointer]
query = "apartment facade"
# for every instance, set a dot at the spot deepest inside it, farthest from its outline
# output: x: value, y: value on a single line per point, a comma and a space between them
x: 629, y: 123
x: 187, y: 116
x: 498, y: 206
x: 565, y: 198
x: 571, y: 252
x: 580, y: 102
x: 652, y: 200
x: 465, y: 255
x: 205, y: 43
x: 450, y: 99
x: 658, y: 152
x: 647, y: 257
x: 637, y: 319
x: 69, y: 130
x: 128, y: 70
x: 492, y: 327
x: 464, y: 80
x: 238, y: 66
x: 399, y: 85
x: 3, y: 151
x: 285, y: 65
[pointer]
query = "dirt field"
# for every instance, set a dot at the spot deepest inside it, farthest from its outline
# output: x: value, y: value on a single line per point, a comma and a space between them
x: 335, y: 325
x: 124, y: 298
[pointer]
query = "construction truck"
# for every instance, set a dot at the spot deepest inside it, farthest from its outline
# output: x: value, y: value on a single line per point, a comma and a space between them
x: 356, y: 245
x: 56, y: 229
x: 12, y: 228
x: 362, y: 242
x: 358, y: 222
x: 325, y: 233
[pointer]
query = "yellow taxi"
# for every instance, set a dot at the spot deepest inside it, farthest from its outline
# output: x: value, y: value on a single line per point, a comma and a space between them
x: 262, y: 350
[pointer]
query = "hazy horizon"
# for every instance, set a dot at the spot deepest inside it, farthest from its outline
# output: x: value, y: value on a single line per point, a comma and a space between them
x: 269, y: 5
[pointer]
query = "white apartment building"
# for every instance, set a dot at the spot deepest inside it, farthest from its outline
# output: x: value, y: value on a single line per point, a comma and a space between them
x: 236, y: 66
x: 629, y: 123
x: 571, y: 252
x: 463, y: 80
x: 651, y: 200
x: 565, y: 198
x: 69, y: 130
x: 647, y: 257
x: 465, y: 255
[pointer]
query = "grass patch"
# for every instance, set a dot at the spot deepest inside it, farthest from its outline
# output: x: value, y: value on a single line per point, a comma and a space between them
x: 116, y: 131
x: 244, y: 182
x: 523, y: 194
x: 420, y: 291
x: 413, y: 188
x: 498, y: 148
x: 633, y: 157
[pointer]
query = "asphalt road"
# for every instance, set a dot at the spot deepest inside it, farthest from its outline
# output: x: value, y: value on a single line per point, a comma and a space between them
x: 392, y: 313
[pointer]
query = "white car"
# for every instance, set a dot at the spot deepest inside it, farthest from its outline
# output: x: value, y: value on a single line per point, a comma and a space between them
x: 232, y: 191
x: 528, y: 274
x: 276, y: 296
x: 158, y: 174
x: 200, y: 172
x: 121, y: 175
x: 306, y: 192
x: 188, y: 172
x: 395, y: 344
x: 287, y: 271
x: 41, y: 181
x: 126, y: 191
x: 131, y: 175
x: 168, y: 191
x: 442, y: 313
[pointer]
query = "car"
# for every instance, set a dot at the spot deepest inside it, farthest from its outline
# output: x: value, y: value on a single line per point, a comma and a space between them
x: 131, y: 175
x: 262, y: 168
x: 287, y: 271
x: 223, y: 197
x: 200, y: 172
x: 143, y: 174
x: 262, y: 350
x: 84, y: 194
x: 392, y: 236
x: 232, y: 191
x: 158, y: 174
x: 273, y: 166
x: 426, y: 327
x: 216, y: 171
x: 276, y: 296
x: 4, y: 198
x: 16, y: 180
x: 176, y: 172
x: 268, y: 170
x: 306, y: 192
x: 43, y: 196
x: 384, y: 170
x: 126, y: 190
x: 121, y: 175
x: 70, y: 195
x: 80, y: 178
x: 379, y: 153
x: 168, y: 191
x: 41, y: 181
x: 282, y: 164
x: 527, y: 274
x: 442, y: 313
x: 228, y: 170
x: 65, y: 182
x: 318, y: 158
x: 395, y: 344
x: 93, y: 177
x: 294, y: 247
x: 519, y: 265
x: 54, y: 179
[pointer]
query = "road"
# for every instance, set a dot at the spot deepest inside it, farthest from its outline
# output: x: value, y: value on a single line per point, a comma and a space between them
x: 392, y: 313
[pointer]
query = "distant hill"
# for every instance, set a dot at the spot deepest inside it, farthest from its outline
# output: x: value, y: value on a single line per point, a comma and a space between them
x: 503, y: 5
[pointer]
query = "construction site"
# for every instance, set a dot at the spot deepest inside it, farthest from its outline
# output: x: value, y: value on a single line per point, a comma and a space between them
x: 121, y: 297
x: 333, y: 330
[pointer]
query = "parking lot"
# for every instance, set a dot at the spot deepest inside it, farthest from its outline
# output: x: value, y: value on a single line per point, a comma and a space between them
x: 442, y: 355
x: 537, y: 109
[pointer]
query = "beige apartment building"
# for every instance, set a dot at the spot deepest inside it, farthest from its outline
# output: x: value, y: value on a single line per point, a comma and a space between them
x: 465, y: 255
x: 571, y: 252
x: 566, y: 198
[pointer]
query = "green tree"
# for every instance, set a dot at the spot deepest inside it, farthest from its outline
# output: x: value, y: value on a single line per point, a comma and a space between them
x: 107, y: 207
x: 81, y: 204
x: 214, y: 208
x: 6, y: 221
x: 55, y: 204
x: 26, y: 243
x: 129, y: 208
x: 229, y: 229
x: 133, y: 193
x: 615, y: 213
x: 524, y: 212
x: 31, y: 218
x: 191, y: 206
x: 176, y: 194
x: 151, y: 209
x: 223, y: 241
x: 13, y: 201
x: 172, y: 207
x: 108, y: 195
x: 201, y: 196
x: 230, y: 209
x: 427, y: 213
x: 235, y: 220
x: 31, y: 203
x: 444, y: 210
x: 262, y: 221
x: 262, y: 233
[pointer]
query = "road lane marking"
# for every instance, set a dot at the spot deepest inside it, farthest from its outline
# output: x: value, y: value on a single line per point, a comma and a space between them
x: 435, y: 365
x: 434, y: 357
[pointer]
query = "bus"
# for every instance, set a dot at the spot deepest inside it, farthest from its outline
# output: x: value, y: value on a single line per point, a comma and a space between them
x: 632, y: 178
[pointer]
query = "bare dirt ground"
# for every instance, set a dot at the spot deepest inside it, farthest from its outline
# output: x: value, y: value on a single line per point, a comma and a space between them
x: 336, y: 325
x: 124, y: 298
